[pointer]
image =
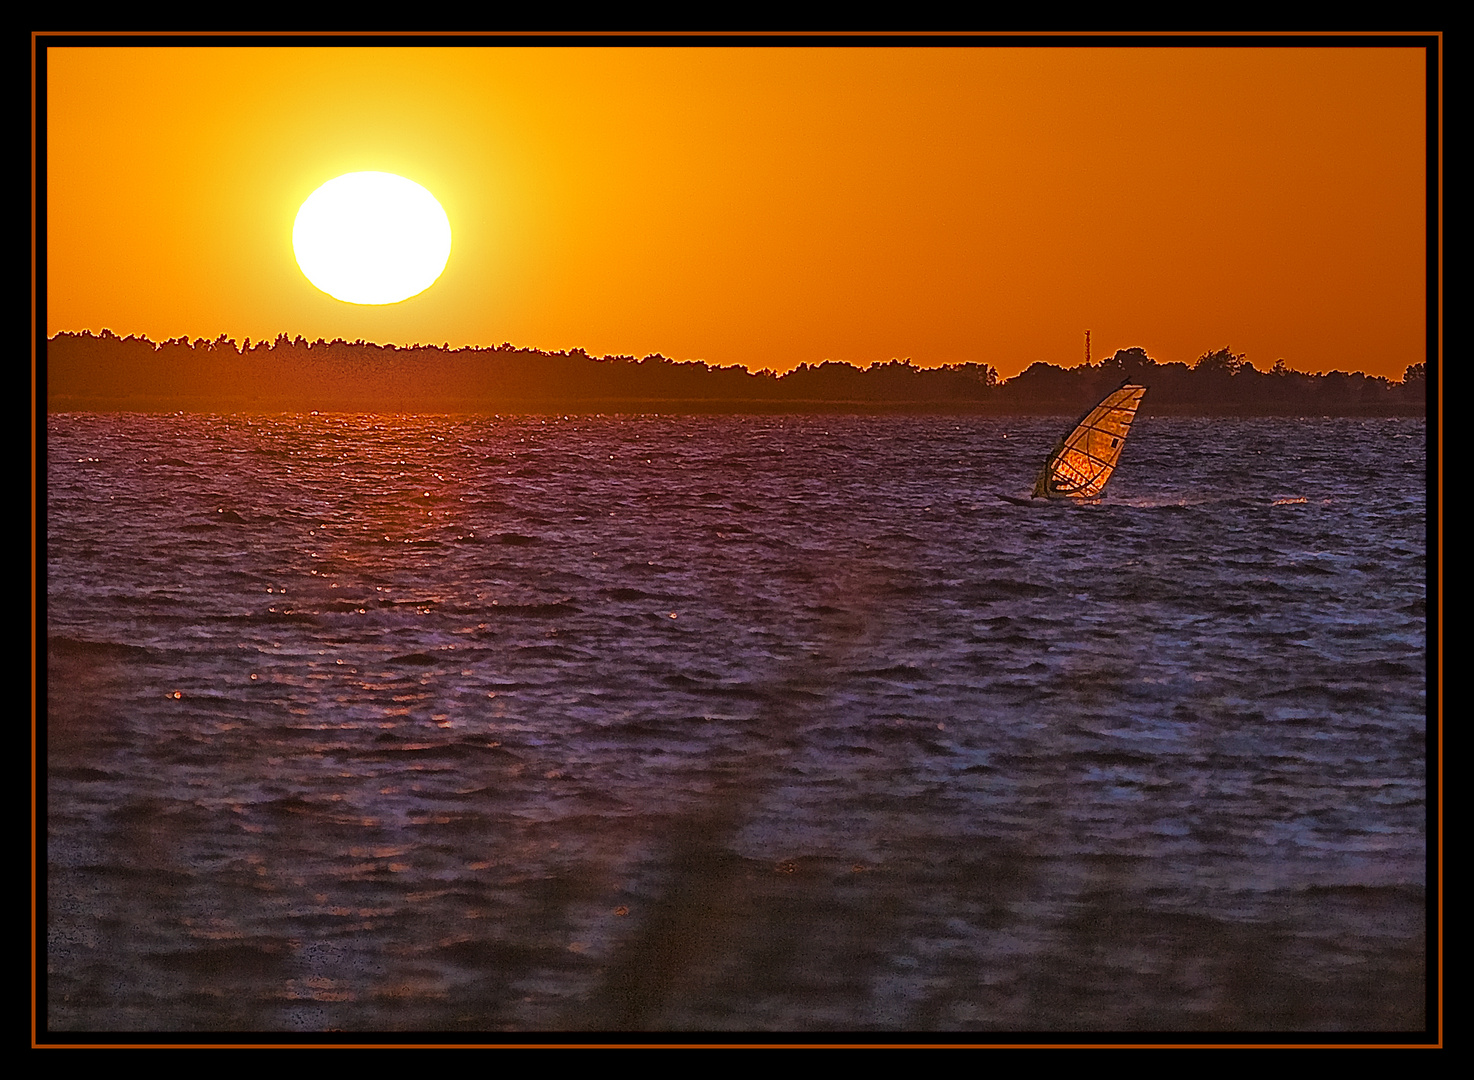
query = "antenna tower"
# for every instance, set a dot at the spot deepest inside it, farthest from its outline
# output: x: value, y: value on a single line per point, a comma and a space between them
x: 1087, y: 348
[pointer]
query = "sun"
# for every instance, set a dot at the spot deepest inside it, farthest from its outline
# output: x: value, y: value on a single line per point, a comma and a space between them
x: 371, y: 238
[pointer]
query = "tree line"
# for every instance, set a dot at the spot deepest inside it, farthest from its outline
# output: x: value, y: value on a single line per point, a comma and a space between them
x: 103, y: 372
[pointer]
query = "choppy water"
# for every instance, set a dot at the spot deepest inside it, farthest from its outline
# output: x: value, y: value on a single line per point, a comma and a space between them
x: 769, y: 723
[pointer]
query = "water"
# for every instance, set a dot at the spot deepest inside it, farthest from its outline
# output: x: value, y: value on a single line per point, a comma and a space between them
x: 732, y: 723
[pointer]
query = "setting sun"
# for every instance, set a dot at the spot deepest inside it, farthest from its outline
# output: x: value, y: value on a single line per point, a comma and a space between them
x: 371, y: 238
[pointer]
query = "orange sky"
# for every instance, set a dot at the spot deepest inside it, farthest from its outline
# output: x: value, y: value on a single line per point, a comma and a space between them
x: 766, y: 206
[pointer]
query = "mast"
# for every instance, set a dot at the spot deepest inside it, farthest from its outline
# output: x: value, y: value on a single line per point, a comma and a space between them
x: 1087, y: 348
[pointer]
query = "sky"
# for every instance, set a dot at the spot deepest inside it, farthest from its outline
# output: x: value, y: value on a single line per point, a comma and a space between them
x: 765, y: 206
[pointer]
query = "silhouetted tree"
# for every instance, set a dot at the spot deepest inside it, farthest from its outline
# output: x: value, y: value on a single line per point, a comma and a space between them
x: 1224, y: 360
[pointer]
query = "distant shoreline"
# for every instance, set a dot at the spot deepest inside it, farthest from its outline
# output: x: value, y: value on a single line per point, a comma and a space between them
x: 689, y: 407
x: 105, y: 373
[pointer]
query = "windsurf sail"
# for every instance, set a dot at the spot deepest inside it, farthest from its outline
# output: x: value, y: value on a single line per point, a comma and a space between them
x: 1082, y: 462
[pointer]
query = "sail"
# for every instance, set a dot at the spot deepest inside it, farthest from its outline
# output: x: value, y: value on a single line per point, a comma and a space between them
x: 1082, y: 462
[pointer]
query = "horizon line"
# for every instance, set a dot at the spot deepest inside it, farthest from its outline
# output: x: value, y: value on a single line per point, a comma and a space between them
x: 270, y: 345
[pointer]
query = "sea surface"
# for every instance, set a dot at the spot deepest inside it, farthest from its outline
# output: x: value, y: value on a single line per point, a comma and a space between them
x: 742, y: 723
